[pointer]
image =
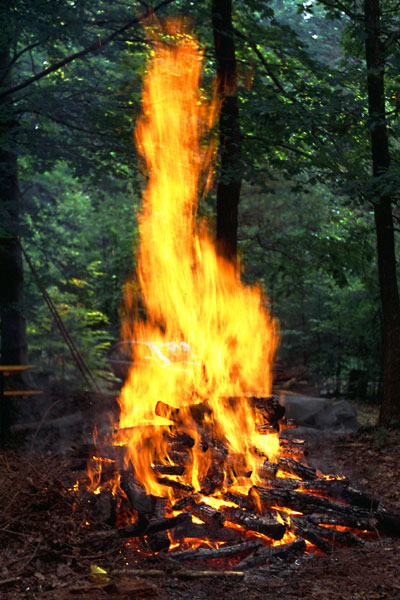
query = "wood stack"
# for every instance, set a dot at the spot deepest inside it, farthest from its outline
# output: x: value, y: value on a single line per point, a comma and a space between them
x: 293, y: 503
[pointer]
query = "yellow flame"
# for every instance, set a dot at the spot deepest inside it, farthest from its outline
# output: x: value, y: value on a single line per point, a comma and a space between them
x: 206, y: 337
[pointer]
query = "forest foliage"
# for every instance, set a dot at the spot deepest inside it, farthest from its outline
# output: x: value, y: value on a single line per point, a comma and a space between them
x: 306, y: 223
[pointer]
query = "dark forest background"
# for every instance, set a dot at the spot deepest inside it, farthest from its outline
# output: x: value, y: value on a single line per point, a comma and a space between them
x: 307, y: 195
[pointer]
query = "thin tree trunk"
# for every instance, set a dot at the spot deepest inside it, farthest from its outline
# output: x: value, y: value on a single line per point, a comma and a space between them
x: 13, y: 327
x: 390, y: 408
x: 229, y: 183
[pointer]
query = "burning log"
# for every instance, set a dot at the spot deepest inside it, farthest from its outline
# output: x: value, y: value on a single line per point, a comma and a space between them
x: 304, y: 502
x: 268, y: 470
x: 272, y: 410
x: 179, y: 458
x: 292, y: 448
x: 136, y: 494
x: 157, y: 539
x: 266, y: 524
x: 227, y: 551
x: 289, y: 465
x: 106, y: 507
x: 179, y: 415
x: 169, y: 469
x: 267, y: 428
x: 213, y: 518
x: 310, y: 532
x: 343, y: 538
x: 204, y: 532
x: 334, y: 519
x: 242, y: 501
x: 146, y: 527
x: 264, y: 554
x: 174, y: 484
x: 286, y: 423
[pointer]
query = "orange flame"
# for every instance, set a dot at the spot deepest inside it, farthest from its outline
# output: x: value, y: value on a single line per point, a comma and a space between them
x: 206, y: 337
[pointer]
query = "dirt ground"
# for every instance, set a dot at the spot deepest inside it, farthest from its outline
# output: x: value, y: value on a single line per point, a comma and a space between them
x: 46, y: 552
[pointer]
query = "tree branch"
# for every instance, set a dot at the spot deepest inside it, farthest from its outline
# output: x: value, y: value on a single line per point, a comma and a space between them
x: 343, y: 8
x: 92, y: 48
x: 16, y: 57
x: 260, y: 56
x: 391, y: 39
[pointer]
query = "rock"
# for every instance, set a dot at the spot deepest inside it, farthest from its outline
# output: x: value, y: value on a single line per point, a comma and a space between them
x: 320, y: 413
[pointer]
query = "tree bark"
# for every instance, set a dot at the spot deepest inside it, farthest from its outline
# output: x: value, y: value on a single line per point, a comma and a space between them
x: 390, y: 408
x: 229, y: 183
x: 13, y: 327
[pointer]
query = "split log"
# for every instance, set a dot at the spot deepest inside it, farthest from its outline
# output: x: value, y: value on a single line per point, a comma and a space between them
x: 136, y: 494
x: 159, y: 540
x: 310, y: 532
x: 264, y: 554
x: 289, y: 465
x: 179, y: 458
x: 179, y: 439
x: 304, y: 502
x: 184, y: 502
x: 106, y: 507
x: 227, y: 551
x: 270, y: 407
x: 204, y: 532
x: 267, y: 524
x: 333, y: 518
x: 286, y: 423
x: 154, y: 526
x: 241, y: 500
x: 330, y: 487
x: 342, y: 538
x: 169, y: 469
x: 268, y: 470
x: 267, y: 428
x: 180, y: 415
x: 293, y: 447
x: 177, y: 485
x: 388, y: 520
x: 212, y: 517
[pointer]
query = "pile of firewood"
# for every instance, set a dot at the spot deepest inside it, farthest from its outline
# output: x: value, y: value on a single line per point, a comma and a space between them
x: 318, y: 511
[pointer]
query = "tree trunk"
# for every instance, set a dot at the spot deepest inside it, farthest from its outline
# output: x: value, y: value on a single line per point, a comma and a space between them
x: 229, y: 183
x: 390, y: 408
x: 13, y: 327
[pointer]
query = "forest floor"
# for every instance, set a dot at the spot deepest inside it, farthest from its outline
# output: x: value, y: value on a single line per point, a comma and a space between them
x: 45, y: 550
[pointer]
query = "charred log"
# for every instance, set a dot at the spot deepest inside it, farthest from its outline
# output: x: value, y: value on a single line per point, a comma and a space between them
x: 305, y: 502
x: 222, y: 552
x: 289, y: 465
x: 268, y: 470
x: 332, y: 518
x: 174, y: 484
x: 169, y: 469
x: 204, y: 532
x: 154, y: 526
x: 213, y: 518
x: 136, y: 494
x: 270, y: 407
x: 265, y: 554
x: 310, y: 532
x: 267, y: 525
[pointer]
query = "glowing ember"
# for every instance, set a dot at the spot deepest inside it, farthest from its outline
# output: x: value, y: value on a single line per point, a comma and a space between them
x: 212, y: 339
